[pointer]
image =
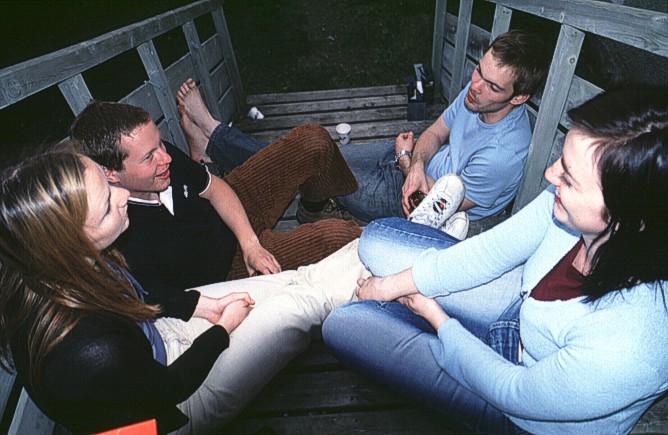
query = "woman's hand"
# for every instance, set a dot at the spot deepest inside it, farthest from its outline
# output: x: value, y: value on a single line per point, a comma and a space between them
x: 237, y: 306
x: 425, y: 307
x: 388, y: 288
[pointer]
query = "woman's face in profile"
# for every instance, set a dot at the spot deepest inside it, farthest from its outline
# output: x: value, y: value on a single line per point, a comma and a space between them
x: 107, y: 207
x: 579, y: 200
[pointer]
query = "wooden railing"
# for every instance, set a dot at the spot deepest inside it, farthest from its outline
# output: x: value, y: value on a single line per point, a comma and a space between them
x: 458, y: 44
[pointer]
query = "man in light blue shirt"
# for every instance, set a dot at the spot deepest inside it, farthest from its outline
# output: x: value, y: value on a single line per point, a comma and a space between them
x: 483, y: 137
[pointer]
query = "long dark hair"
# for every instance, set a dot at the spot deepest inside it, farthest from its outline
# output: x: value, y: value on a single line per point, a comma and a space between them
x: 630, y: 128
x: 51, y: 273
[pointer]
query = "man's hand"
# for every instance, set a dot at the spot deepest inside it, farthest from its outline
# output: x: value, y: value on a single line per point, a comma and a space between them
x: 425, y: 307
x: 212, y: 309
x: 416, y: 180
x: 259, y: 260
x: 404, y: 142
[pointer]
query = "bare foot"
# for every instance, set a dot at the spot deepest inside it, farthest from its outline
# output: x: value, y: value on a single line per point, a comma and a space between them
x: 192, y: 104
x: 196, y: 137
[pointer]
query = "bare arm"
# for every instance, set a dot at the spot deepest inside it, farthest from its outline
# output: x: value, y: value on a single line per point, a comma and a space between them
x: 231, y: 211
x: 425, y: 148
x: 388, y: 288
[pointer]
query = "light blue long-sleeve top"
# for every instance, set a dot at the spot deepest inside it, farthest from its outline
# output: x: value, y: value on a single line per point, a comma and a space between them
x: 589, y: 368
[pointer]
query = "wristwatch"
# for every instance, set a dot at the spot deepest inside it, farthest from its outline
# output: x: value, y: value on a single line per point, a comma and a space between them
x: 400, y: 154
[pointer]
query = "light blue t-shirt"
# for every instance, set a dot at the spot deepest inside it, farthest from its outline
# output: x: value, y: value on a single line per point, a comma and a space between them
x: 489, y: 158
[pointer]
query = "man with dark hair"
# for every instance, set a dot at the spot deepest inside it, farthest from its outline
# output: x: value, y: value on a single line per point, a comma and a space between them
x: 483, y: 138
x: 189, y: 228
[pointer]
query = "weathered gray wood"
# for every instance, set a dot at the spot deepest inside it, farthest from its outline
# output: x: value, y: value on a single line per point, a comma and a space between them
x: 437, y: 42
x: 502, y: 17
x: 178, y: 72
x: 332, y: 94
x: 221, y: 83
x: 28, y: 419
x: 27, y: 78
x: 6, y: 383
x: 165, y: 96
x: 463, y: 24
x: 335, y: 105
x: 402, y: 421
x: 212, y: 53
x: 144, y: 97
x: 641, y: 28
x: 76, y: 93
x: 554, y: 98
x: 228, y: 104
x: 201, y: 69
x: 225, y: 43
x: 295, y: 392
x: 479, y: 40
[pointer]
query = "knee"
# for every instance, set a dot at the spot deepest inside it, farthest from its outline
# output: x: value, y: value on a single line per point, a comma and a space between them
x: 313, y: 137
x: 335, y: 233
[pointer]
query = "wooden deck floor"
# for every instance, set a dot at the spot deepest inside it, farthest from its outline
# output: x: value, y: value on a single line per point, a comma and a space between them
x: 315, y: 394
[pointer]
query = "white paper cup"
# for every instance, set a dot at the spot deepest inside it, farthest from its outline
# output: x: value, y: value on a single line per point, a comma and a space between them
x: 343, y: 130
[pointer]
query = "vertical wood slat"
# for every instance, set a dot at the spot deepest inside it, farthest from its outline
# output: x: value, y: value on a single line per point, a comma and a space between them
x: 28, y: 418
x: 230, y: 59
x: 461, y: 41
x: 558, y: 84
x: 502, y: 16
x: 76, y: 93
x: 158, y: 79
x: 199, y: 63
x: 438, y: 41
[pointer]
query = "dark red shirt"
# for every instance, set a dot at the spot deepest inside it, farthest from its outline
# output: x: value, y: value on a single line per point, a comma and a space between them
x: 563, y: 282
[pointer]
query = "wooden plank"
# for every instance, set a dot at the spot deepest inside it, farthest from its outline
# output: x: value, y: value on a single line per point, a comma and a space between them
x: 463, y: 24
x: 28, y: 419
x: 27, y: 78
x: 335, y: 105
x: 451, y: 29
x: 221, y: 83
x: 554, y: 98
x: 502, y: 17
x: 201, y: 69
x: 6, y: 384
x: 223, y: 35
x: 76, y: 93
x: 641, y: 28
x: 309, y: 392
x: 327, y: 118
x: 178, y: 72
x: 402, y: 421
x: 332, y: 94
x: 479, y: 40
x: 144, y: 97
x: 438, y: 40
x: 164, y: 94
x: 212, y: 53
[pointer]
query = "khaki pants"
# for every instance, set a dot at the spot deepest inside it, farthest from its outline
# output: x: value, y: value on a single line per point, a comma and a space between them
x: 290, y: 307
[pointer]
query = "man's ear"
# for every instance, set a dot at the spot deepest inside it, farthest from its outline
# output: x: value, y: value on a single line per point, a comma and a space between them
x: 112, y: 175
x: 519, y: 99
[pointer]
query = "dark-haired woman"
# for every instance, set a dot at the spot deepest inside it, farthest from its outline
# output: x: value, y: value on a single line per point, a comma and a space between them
x: 582, y: 270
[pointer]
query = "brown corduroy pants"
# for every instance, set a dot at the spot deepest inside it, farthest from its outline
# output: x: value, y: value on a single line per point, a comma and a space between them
x: 305, y: 160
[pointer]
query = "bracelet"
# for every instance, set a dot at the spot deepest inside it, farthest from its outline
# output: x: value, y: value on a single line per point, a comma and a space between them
x: 400, y: 154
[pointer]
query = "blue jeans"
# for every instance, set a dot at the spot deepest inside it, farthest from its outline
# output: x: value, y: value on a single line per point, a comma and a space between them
x: 391, y: 245
x: 380, y: 181
x: 229, y: 147
x: 389, y: 344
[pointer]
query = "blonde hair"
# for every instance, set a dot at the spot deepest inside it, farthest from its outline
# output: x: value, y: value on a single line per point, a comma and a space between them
x: 51, y: 273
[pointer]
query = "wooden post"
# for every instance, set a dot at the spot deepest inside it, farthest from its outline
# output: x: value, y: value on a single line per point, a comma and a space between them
x: 230, y: 59
x: 558, y: 84
x: 167, y: 101
x: 502, y: 16
x: 201, y: 70
x: 461, y: 42
x: 76, y: 93
x: 440, y: 14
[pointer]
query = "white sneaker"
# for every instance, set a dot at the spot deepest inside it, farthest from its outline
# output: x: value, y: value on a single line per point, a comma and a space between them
x: 457, y: 226
x: 441, y: 202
